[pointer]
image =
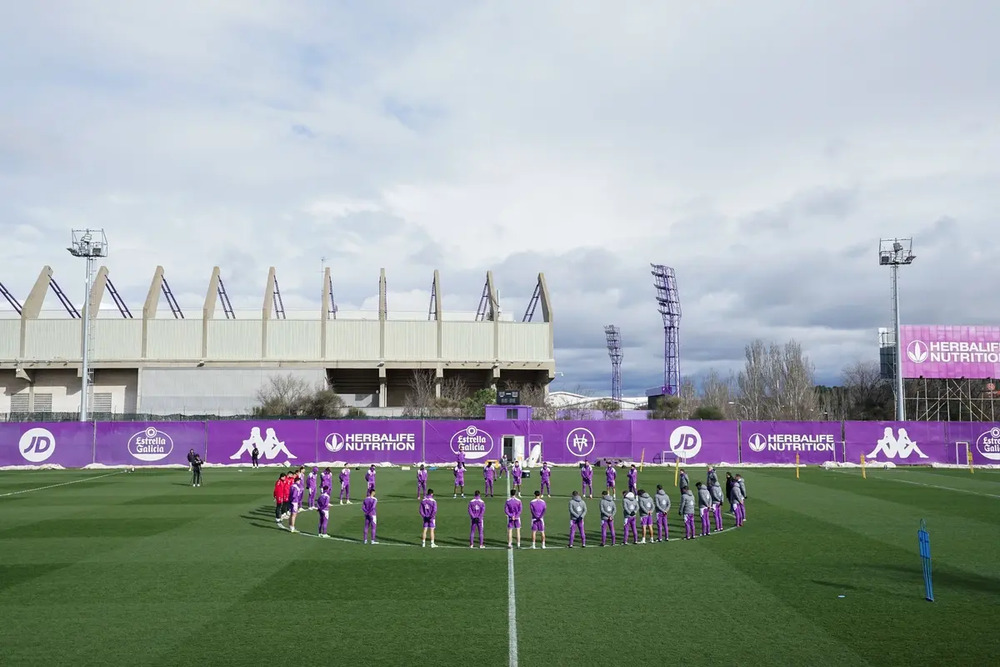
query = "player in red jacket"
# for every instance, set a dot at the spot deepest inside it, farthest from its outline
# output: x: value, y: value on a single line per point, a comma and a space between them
x: 280, y: 491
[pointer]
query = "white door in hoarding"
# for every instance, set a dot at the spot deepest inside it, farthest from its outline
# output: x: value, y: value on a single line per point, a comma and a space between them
x: 517, y: 446
x: 534, y: 450
x: 962, y: 453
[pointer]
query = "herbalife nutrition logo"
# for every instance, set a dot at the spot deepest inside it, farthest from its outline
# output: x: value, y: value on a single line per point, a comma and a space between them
x: 917, y: 351
x: 953, y: 352
x: 896, y: 446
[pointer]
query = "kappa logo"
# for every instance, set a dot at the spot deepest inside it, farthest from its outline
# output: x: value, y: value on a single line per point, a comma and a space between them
x: 988, y: 444
x: 37, y: 445
x: 896, y: 446
x: 334, y: 442
x: 917, y: 351
x: 270, y: 447
x: 580, y: 442
x: 685, y: 442
x: 757, y: 442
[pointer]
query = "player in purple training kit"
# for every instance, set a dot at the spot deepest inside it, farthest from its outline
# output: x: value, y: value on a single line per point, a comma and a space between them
x: 323, y: 505
x: 545, y: 474
x: 459, y: 479
x: 587, y: 477
x: 461, y: 455
x: 421, y: 482
x: 428, y: 510
x: 296, y: 501
x: 345, y: 486
x: 326, y: 480
x: 477, y: 508
x: 368, y: 506
x: 610, y: 476
x: 537, y: 508
x: 370, y: 478
x: 512, y: 508
x: 515, y: 476
x: 633, y: 480
x: 311, y: 487
x: 488, y: 474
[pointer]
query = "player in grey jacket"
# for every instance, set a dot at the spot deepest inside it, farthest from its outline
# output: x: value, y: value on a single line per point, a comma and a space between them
x: 646, y: 507
x: 577, y: 510
x: 629, y: 509
x: 684, y: 479
x: 738, y: 504
x: 687, y: 512
x: 608, y: 509
x: 717, y: 498
x: 711, y: 478
x: 704, y: 505
x: 743, y: 491
x: 662, y: 501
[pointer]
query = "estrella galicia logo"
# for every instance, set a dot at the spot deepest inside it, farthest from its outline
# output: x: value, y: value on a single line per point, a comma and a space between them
x: 334, y: 443
x: 37, y: 445
x: 475, y: 443
x: 988, y: 444
x: 150, y: 445
x: 917, y: 351
x: 685, y: 442
x: 580, y: 442
x: 757, y: 442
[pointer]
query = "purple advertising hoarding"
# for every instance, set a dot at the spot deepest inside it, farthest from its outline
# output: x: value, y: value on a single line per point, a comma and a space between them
x: 148, y: 443
x: 779, y: 442
x: 579, y: 441
x: 692, y: 442
x: 902, y: 443
x: 66, y: 444
x: 983, y: 441
x: 480, y: 440
x: 289, y: 441
x: 950, y: 352
x: 359, y: 441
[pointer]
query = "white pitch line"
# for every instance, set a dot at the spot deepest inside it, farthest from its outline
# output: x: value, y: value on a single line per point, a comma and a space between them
x: 52, y: 486
x: 932, y: 486
x: 511, y: 602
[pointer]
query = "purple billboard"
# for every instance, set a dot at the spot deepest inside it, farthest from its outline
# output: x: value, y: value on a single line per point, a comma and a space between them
x: 579, y: 441
x: 780, y: 442
x: 950, y: 352
x: 289, y: 441
x: 147, y: 443
x: 902, y: 443
x: 693, y: 442
x: 983, y: 441
x: 67, y: 444
x: 366, y: 442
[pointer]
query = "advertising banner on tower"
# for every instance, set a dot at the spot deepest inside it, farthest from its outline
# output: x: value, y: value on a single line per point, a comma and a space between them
x: 779, y: 442
x: 66, y: 444
x: 361, y: 441
x: 693, y: 442
x: 950, y: 352
x: 902, y: 443
x: 983, y: 440
x: 287, y: 441
x: 148, y: 443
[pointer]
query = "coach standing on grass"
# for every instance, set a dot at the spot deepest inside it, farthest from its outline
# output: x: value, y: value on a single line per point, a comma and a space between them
x: 195, y: 469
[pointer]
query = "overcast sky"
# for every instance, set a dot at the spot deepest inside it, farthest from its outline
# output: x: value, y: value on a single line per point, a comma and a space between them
x: 760, y: 148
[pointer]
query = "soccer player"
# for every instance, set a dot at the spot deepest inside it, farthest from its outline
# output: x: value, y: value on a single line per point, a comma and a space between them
x: 704, y: 507
x: 684, y: 479
x: 461, y: 455
x: 255, y: 457
x: 345, y: 486
x: 646, y: 507
x: 545, y: 474
x: 715, y: 489
x: 488, y: 474
x: 477, y: 508
x: 326, y: 479
x: 687, y: 511
x: 738, y: 504
x: 369, y: 507
x: 370, y: 477
x: 743, y: 497
x: 729, y: 490
x: 629, y: 509
x: 459, y: 480
x: 608, y: 509
x: 503, y: 467
x: 587, y: 476
x: 577, y: 511
x: 428, y: 510
x: 279, y: 498
x: 311, y: 487
x: 286, y: 492
x: 196, y: 464
x: 662, y: 501
x: 610, y: 476
x: 295, y: 498
x: 537, y: 507
x: 512, y: 508
x: 323, y: 505
x: 515, y: 476
x: 633, y: 479
x: 421, y: 482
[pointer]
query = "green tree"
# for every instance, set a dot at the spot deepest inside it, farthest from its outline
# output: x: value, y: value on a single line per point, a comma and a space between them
x: 474, y: 407
x: 666, y: 407
x: 708, y: 412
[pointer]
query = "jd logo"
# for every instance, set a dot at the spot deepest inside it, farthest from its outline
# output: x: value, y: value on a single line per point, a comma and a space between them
x: 580, y: 442
x: 37, y: 445
x: 917, y: 351
x: 685, y: 442
x: 270, y: 447
x: 896, y: 447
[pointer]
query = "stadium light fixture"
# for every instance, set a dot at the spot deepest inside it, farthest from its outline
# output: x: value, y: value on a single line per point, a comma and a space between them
x: 90, y: 244
x: 895, y: 253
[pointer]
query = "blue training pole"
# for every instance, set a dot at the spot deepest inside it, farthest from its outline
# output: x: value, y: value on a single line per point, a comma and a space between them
x: 925, y: 558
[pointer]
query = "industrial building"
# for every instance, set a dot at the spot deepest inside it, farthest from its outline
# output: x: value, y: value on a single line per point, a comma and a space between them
x: 217, y: 362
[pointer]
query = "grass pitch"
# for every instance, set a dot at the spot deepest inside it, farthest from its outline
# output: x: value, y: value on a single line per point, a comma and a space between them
x: 143, y: 569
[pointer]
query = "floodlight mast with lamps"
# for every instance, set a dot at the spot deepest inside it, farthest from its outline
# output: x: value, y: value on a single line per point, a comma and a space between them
x: 89, y: 244
x: 614, y: 339
x: 669, y: 305
x: 896, y: 253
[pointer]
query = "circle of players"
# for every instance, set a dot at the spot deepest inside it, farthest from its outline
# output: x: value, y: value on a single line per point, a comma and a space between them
x: 295, y: 488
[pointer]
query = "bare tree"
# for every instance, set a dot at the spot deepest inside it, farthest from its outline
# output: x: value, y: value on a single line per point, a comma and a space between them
x: 291, y: 396
x: 453, y: 399
x: 753, y: 380
x: 421, y: 394
x: 777, y: 382
x: 718, y: 392
x: 688, y: 396
x: 867, y: 394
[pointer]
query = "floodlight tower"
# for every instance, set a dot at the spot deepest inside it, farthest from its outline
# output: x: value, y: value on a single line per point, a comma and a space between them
x: 90, y: 244
x: 614, y: 338
x: 665, y: 281
x: 896, y: 253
